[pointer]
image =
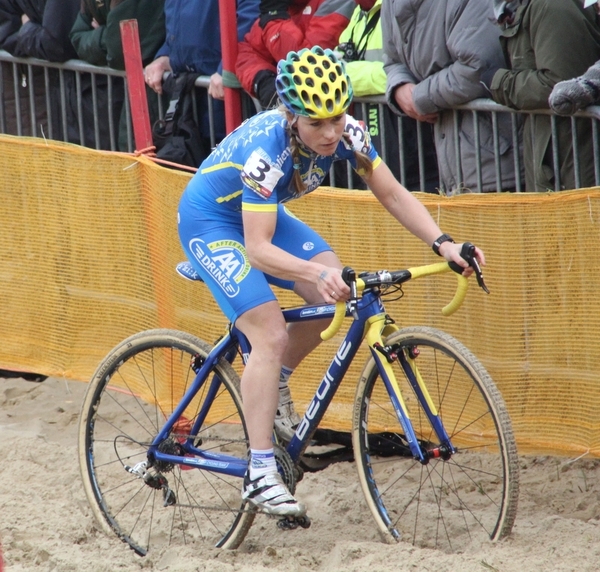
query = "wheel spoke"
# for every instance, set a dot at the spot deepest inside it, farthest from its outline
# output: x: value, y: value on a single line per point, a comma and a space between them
x: 128, y: 401
x: 444, y: 504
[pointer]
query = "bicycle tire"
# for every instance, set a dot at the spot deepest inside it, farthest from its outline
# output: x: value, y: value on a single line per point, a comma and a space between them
x: 130, y: 395
x: 449, y: 504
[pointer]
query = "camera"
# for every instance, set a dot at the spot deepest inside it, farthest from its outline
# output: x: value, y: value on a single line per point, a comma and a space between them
x: 347, y: 51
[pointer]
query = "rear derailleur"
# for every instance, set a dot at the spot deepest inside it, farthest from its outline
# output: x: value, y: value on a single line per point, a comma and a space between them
x: 154, y: 480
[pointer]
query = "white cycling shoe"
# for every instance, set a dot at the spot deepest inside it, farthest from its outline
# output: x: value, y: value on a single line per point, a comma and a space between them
x: 270, y: 495
x: 286, y: 418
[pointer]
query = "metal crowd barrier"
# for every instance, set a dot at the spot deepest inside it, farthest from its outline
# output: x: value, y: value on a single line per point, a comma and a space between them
x: 31, y: 88
x: 478, y: 106
x: 592, y: 113
x: 68, y: 96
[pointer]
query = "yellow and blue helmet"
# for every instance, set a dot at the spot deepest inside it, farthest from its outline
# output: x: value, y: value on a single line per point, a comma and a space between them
x: 313, y: 83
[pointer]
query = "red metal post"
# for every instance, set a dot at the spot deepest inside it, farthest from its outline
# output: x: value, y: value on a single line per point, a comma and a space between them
x: 136, y: 86
x: 233, y: 100
x: 155, y: 232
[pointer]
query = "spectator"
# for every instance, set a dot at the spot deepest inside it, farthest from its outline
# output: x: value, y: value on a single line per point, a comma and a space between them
x: 285, y: 26
x: 434, y: 55
x: 193, y: 44
x: 9, y: 24
x: 535, y: 34
x: 96, y: 36
x: 571, y: 95
x: 44, y: 29
x: 361, y: 48
x: 38, y: 30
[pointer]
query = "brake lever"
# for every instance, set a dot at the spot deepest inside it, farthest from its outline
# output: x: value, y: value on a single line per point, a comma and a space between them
x: 468, y: 253
x: 349, y: 277
x: 478, y: 274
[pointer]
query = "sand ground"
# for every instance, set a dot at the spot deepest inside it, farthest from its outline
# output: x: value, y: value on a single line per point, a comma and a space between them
x: 46, y: 524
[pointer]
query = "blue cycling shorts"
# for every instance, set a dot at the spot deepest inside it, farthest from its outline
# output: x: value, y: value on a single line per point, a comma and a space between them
x: 216, y: 251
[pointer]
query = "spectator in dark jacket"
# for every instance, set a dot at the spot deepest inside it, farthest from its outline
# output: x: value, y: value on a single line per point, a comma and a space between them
x: 44, y: 32
x: 193, y: 44
x: 96, y: 36
x: 546, y: 41
x: 37, y: 29
x: 96, y: 33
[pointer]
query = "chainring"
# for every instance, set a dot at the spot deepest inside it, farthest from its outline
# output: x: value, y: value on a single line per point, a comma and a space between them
x: 288, y: 471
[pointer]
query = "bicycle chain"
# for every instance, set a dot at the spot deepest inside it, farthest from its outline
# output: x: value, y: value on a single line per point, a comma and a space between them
x: 205, y: 439
x: 222, y: 509
x: 218, y: 509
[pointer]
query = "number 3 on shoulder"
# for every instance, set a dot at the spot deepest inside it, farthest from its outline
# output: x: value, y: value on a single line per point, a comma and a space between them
x: 260, y: 175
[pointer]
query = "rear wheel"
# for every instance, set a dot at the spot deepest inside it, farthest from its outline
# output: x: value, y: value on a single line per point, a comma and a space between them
x: 132, y: 393
x: 444, y: 504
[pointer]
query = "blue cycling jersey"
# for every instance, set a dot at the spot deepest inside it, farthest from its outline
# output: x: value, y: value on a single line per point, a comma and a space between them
x: 252, y: 168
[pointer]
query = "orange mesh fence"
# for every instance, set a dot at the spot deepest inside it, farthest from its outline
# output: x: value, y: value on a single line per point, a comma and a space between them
x: 89, y: 246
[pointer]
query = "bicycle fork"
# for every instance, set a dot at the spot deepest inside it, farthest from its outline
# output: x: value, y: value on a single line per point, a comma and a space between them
x: 385, y: 356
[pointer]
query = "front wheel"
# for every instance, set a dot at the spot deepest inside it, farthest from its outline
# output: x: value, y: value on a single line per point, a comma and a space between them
x: 132, y: 393
x: 444, y: 504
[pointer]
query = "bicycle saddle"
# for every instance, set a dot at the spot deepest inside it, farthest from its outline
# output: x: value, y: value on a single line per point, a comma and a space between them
x: 186, y: 270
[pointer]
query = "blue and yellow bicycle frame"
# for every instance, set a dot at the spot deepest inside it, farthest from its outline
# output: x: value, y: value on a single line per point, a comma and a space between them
x: 371, y: 323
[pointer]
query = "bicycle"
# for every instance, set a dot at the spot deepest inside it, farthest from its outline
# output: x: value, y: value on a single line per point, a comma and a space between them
x: 432, y: 439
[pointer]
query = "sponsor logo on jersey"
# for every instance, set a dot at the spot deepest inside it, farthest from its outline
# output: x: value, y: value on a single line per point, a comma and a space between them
x: 313, y: 178
x: 281, y: 160
x: 224, y: 260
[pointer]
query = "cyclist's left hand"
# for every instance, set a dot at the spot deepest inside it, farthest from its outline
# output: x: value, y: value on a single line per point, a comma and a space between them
x: 451, y: 252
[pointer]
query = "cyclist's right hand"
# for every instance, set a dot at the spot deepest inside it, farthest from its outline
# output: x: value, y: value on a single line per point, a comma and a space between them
x: 331, y: 285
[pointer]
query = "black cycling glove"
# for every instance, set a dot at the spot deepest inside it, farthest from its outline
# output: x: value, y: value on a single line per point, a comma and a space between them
x: 264, y: 88
x: 273, y: 10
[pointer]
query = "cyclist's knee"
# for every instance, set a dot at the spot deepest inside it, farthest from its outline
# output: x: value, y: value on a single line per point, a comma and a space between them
x: 272, y: 339
x: 266, y: 330
x: 309, y: 293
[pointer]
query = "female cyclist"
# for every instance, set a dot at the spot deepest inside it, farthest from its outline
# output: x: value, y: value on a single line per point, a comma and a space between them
x: 240, y: 238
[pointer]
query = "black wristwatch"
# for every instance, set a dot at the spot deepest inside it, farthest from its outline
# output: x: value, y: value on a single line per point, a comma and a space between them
x: 438, y: 242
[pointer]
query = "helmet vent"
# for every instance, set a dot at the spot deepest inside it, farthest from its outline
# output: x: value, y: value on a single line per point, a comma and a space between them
x: 313, y: 83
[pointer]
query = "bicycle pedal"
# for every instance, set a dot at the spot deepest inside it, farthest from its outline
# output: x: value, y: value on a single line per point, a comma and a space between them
x: 293, y: 522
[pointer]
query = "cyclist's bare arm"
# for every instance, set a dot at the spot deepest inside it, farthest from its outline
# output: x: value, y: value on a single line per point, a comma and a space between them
x: 259, y: 228
x: 412, y: 214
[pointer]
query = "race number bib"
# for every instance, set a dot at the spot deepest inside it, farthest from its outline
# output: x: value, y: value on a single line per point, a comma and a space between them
x: 260, y: 175
x: 361, y: 140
